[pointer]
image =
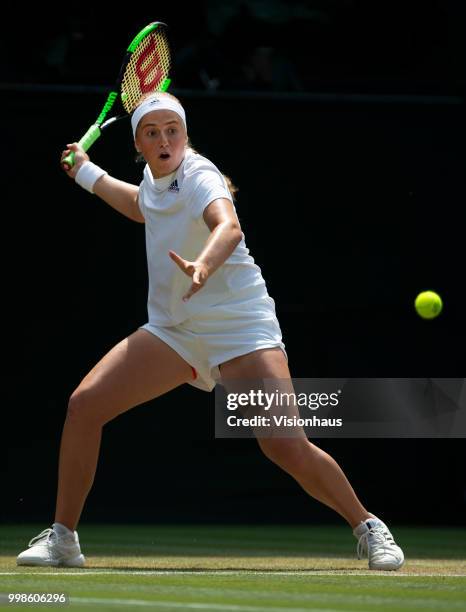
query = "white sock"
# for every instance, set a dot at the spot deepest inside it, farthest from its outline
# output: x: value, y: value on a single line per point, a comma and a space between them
x: 62, y: 530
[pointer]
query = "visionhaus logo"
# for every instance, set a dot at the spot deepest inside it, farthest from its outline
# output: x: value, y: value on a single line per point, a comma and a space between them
x: 281, y: 410
x: 341, y: 408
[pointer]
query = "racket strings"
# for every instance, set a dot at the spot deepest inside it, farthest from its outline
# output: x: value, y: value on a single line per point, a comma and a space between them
x: 147, y: 69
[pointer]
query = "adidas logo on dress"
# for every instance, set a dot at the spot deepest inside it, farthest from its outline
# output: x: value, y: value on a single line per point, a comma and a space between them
x: 174, y: 187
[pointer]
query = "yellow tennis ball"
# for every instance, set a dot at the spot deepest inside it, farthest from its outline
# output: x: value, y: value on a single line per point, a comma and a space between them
x: 428, y: 304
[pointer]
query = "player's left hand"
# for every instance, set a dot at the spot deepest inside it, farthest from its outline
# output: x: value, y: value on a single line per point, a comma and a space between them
x: 198, y: 271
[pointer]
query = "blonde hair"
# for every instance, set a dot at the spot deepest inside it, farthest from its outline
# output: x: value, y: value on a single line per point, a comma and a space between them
x: 139, y: 158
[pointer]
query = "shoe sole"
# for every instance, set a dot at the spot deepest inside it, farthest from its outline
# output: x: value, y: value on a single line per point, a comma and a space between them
x: 78, y: 561
x: 389, y: 567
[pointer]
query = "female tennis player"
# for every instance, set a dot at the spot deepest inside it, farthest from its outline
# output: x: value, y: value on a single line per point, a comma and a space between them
x: 210, y: 319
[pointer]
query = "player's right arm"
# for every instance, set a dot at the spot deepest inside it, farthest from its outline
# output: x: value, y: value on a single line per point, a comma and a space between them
x: 120, y: 195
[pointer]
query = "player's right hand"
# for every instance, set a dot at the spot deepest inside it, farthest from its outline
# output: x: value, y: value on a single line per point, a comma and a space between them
x: 80, y: 156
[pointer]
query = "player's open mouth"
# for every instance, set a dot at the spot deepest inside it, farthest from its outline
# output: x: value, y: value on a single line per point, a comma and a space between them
x: 164, y: 155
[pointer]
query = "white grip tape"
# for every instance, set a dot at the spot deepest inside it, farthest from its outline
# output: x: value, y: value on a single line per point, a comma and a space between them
x: 88, y: 174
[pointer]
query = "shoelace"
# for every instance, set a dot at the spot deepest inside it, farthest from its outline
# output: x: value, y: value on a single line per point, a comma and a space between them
x: 44, y: 535
x: 380, y: 535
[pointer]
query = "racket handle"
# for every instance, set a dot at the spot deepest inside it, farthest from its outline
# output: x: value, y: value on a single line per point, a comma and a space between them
x: 86, y: 143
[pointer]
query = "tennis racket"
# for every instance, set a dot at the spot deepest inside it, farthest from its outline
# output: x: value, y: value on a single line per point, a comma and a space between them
x: 144, y: 70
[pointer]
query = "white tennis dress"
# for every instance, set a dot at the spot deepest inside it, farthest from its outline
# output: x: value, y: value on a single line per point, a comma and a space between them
x: 232, y: 314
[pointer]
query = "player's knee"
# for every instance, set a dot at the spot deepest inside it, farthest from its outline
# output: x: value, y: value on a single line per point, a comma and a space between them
x: 287, y: 453
x: 81, y: 409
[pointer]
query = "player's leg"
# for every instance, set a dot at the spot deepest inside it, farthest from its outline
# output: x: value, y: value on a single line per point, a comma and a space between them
x: 314, y: 469
x: 139, y: 368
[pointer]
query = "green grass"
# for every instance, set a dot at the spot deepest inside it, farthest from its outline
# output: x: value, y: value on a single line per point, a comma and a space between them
x: 242, y: 569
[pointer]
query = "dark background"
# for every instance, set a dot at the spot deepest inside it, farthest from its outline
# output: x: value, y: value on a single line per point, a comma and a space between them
x: 343, y: 124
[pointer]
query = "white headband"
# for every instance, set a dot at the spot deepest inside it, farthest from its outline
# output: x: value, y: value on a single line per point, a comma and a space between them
x: 156, y: 102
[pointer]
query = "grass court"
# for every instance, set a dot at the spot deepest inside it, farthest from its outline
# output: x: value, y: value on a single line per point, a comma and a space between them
x: 241, y: 569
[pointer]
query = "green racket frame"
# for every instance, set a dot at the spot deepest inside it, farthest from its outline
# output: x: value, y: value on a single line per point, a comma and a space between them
x: 101, y: 123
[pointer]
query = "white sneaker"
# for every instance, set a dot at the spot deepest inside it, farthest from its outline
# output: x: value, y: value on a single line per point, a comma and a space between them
x: 56, y: 546
x: 376, y: 541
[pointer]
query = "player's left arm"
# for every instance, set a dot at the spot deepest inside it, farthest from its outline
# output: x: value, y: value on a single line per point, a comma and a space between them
x: 225, y: 234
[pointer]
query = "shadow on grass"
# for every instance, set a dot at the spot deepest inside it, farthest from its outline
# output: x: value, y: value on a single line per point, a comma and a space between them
x: 211, y: 570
